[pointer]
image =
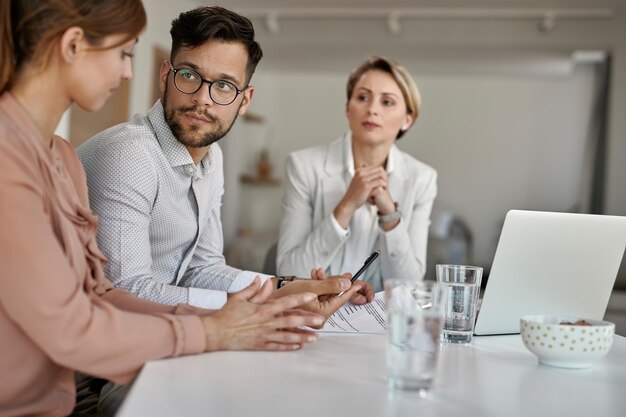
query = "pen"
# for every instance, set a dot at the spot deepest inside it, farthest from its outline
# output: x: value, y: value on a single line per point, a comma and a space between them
x: 367, y: 263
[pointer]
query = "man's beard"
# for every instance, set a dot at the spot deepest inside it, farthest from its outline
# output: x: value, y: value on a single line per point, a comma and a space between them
x: 191, y: 137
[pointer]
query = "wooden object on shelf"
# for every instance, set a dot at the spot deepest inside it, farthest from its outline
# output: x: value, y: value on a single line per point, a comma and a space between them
x: 264, y: 166
x: 257, y: 180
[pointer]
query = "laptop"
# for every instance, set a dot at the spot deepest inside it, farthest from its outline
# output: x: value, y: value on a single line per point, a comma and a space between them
x: 551, y: 264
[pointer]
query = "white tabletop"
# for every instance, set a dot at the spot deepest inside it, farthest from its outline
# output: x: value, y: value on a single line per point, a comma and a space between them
x: 345, y: 375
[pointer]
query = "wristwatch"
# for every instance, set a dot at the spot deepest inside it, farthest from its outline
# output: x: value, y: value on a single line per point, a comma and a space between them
x: 282, y: 281
x: 386, y: 218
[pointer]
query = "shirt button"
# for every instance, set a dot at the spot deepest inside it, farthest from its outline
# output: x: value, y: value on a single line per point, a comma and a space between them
x: 189, y: 170
x: 393, y: 254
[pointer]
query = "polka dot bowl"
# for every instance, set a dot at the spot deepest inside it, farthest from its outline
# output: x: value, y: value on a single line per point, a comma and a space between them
x: 566, y: 345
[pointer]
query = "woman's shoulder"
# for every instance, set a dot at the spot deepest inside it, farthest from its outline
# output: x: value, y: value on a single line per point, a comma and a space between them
x: 311, y: 164
x: 317, y: 155
x: 312, y: 153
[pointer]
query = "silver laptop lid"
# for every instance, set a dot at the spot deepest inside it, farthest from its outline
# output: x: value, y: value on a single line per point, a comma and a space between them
x: 551, y: 263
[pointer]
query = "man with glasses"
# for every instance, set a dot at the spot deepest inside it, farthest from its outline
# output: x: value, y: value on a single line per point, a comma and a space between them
x: 157, y: 181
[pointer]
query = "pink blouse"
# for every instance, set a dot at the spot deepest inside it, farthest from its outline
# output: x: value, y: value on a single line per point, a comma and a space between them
x: 58, y: 313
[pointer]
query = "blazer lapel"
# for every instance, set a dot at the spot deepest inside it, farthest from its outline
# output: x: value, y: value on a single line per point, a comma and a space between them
x: 398, y: 183
x: 333, y: 190
x: 333, y: 185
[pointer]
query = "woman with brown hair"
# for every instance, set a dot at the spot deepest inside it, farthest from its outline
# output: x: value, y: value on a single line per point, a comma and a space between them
x: 58, y: 313
x: 361, y: 193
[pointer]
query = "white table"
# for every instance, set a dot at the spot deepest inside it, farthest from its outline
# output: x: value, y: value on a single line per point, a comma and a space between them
x: 345, y: 375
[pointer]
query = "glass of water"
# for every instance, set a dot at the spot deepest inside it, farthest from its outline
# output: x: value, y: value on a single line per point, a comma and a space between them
x: 413, y: 331
x: 461, y: 287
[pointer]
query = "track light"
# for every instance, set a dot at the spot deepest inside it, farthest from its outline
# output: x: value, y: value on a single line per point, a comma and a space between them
x: 548, y: 23
x: 271, y: 20
x: 393, y: 23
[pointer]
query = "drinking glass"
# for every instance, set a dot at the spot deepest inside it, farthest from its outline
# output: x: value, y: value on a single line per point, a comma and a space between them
x: 423, y: 292
x: 413, y: 331
x: 461, y: 286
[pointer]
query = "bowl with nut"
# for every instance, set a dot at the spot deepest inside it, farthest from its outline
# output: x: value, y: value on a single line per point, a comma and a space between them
x: 566, y: 341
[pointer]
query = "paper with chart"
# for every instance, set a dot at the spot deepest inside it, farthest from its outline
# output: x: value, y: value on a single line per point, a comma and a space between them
x: 366, y: 318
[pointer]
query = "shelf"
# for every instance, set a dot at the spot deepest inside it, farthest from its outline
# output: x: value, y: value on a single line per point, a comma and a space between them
x: 256, y: 180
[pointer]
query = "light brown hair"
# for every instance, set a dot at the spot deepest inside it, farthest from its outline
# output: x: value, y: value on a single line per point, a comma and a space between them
x: 30, y: 28
x: 404, y: 80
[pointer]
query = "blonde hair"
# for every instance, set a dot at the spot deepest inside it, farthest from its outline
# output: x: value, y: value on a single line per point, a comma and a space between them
x: 402, y: 77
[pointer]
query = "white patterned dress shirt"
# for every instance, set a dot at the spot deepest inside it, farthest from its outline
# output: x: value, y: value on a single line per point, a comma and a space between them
x: 160, y: 226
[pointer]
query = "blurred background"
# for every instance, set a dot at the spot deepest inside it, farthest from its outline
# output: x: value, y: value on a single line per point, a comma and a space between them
x: 524, y: 107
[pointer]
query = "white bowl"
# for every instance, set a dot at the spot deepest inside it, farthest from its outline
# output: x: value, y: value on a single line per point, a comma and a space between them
x: 566, y: 345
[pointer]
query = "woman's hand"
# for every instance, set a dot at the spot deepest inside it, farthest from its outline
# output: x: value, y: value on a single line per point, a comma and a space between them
x: 365, y: 180
x: 250, y: 321
x: 382, y: 199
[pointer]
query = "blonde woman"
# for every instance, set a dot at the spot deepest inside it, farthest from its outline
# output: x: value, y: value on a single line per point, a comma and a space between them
x: 361, y: 193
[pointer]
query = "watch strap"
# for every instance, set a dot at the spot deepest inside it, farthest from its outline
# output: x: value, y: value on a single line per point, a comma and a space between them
x: 386, y: 218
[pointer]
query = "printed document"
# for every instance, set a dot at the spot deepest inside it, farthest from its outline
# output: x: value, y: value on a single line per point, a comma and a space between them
x: 367, y: 318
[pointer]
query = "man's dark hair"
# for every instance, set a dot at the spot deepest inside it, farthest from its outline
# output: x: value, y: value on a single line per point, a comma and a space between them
x: 197, y: 26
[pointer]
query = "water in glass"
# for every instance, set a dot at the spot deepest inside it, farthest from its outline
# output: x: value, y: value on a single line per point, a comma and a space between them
x: 412, y: 349
x: 459, y: 311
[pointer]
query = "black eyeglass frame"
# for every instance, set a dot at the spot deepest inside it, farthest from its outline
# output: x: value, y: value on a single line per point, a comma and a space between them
x: 210, y: 83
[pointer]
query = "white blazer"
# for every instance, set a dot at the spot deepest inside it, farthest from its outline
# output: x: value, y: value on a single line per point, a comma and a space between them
x: 317, y: 181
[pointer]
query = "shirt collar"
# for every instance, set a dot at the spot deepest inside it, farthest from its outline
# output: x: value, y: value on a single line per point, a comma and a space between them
x: 175, y: 152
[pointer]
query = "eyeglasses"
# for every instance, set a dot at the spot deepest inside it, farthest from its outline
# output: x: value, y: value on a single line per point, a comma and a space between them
x: 188, y: 81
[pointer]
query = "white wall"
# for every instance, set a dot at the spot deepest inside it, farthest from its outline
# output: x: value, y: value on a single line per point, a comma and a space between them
x: 500, y: 143
x: 63, y: 128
